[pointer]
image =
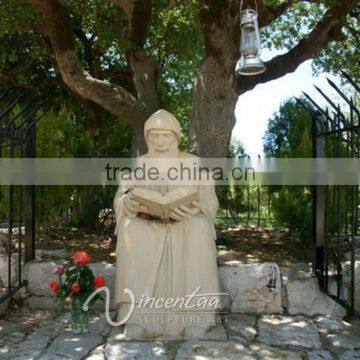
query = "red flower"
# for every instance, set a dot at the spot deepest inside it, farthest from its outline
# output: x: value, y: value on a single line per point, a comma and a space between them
x: 81, y: 258
x: 54, y: 286
x: 75, y: 288
x: 99, y: 281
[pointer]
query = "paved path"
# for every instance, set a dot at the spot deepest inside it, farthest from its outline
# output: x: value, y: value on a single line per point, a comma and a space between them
x: 27, y: 334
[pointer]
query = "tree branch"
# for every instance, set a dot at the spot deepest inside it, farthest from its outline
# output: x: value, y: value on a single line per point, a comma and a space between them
x: 220, y: 26
x: 267, y: 14
x: 144, y: 67
x: 127, y: 6
x: 138, y: 13
x: 89, y: 53
x: 328, y: 29
x: 111, y: 97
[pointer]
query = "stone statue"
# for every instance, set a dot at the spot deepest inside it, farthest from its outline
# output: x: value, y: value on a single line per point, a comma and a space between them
x: 165, y: 258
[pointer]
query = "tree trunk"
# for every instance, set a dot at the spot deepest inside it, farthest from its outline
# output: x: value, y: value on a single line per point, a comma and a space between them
x: 138, y: 145
x: 213, y: 111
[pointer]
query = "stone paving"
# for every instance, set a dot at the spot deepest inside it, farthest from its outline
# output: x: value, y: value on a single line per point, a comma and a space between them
x: 27, y: 334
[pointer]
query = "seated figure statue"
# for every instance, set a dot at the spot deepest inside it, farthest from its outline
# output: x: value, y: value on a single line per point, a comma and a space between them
x: 171, y: 258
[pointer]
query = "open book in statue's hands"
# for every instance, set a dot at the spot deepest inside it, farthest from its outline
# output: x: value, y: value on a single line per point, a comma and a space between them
x: 162, y: 205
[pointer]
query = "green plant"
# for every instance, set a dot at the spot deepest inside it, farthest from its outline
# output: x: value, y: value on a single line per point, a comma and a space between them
x: 292, y: 208
x: 79, y: 281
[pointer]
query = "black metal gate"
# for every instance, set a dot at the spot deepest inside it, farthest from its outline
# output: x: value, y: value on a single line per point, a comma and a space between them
x: 19, y: 114
x: 336, y: 214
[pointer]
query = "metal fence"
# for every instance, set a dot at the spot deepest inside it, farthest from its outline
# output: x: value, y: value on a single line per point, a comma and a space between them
x: 246, y: 205
x: 19, y: 114
x: 336, y: 220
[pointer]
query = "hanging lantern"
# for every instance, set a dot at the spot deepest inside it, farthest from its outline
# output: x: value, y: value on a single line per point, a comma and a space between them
x: 250, y: 62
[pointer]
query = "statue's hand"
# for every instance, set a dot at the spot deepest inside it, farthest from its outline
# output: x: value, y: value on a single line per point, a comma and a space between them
x: 183, y: 212
x: 132, y: 206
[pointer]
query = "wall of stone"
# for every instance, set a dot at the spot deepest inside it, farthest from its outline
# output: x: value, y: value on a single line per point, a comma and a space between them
x: 252, y: 288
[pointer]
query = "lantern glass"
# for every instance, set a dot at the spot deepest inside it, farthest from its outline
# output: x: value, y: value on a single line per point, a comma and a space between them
x: 250, y: 41
x: 250, y: 62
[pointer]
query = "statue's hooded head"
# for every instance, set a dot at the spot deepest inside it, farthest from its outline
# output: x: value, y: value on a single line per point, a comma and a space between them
x: 162, y: 120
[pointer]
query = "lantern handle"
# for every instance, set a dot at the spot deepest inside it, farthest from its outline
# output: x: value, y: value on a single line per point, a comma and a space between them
x: 241, y: 6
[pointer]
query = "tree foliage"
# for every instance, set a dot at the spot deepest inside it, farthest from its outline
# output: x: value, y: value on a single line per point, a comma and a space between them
x: 343, y: 56
x: 289, y: 136
x: 97, y: 51
x: 289, y: 132
x: 62, y: 135
x: 100, y: 61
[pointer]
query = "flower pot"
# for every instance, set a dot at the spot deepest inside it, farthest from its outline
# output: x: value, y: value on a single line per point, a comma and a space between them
x: 79, y: 318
